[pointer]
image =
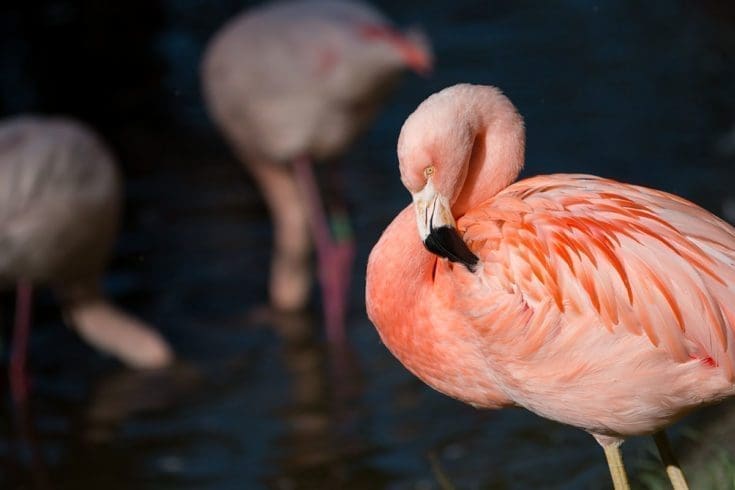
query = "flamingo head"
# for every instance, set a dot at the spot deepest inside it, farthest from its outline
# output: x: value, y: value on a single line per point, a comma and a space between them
x: 434, y: 149
x: 411, y: 48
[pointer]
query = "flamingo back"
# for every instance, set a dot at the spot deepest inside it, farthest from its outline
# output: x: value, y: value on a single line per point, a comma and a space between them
x: 59, y: 201
x: 298, y: 78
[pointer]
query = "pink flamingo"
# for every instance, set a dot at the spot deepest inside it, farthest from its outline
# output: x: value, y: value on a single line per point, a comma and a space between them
x: 602, y: 305
x: 292, y: 82
x: 59, y: 207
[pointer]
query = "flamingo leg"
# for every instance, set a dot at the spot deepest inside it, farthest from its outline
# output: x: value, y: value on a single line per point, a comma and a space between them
x: 21, y: 332
x: 334, y: 255
x: 290, y: 274
x: 673, y: 470
x: 19, y: 383
x: 344, y: 246
x: 617, y: 469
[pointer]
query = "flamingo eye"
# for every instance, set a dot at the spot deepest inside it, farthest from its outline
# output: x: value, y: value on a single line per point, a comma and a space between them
x: 429, y: 171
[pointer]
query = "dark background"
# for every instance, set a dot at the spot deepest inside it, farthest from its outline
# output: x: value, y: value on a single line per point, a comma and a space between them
x: 637, y: 91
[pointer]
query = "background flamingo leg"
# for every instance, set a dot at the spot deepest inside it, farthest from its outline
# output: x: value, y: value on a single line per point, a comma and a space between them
x: 334, y: 254
x: 21, y: 332
x: 335, y: 266
x: 291, y: 278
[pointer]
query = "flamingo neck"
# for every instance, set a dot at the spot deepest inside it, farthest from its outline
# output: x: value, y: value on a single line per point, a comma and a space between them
x: 398, y: 269
x: 416, y: 317
x: 497, y: 152
x: 111, y: 330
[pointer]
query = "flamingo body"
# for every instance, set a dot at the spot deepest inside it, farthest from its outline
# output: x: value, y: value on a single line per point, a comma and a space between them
x: 48, y: 187
x: 303, y: 78
x: 598, y: 304
x: 292, y: 83
x: 60, y: 197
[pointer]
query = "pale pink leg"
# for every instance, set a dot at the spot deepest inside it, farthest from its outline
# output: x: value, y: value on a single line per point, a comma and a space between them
x: 290, y: 275
x: 334, y: 257
x: 21, y: 331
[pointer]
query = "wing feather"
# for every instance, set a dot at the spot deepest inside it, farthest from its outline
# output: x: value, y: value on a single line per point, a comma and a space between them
x: 642, y: 261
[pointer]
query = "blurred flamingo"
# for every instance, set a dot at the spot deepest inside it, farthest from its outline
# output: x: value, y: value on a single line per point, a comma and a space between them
x: 293, y: 82
x: 59, y: 207
x: 598, y: 304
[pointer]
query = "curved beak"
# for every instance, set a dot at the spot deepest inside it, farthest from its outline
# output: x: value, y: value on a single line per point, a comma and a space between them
x: 438, y: 229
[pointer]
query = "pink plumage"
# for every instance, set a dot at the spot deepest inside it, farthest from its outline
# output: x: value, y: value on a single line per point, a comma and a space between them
x: 598, y: 304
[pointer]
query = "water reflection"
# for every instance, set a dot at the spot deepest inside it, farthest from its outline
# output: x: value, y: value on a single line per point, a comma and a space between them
x: 319, y: 414
x: 26, y: 446
x: 123, y: 394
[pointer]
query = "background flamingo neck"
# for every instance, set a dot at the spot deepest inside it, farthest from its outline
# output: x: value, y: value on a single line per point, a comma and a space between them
x: 497, y: 154
x: 111, y: 330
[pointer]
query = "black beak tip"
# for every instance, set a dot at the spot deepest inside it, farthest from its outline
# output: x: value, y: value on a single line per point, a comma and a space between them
x: 446, y: 242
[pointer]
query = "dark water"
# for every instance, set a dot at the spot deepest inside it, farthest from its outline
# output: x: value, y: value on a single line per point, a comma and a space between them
x: 639, y: 91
